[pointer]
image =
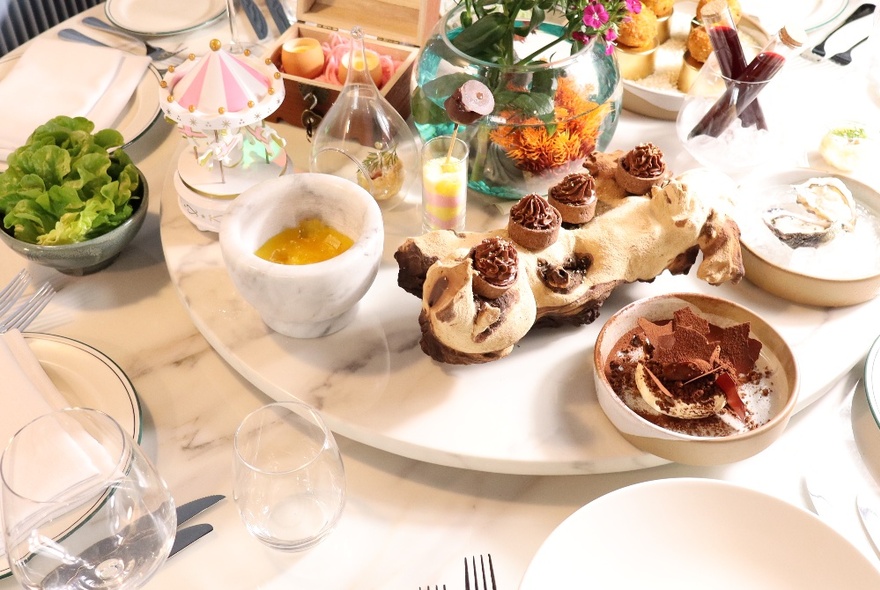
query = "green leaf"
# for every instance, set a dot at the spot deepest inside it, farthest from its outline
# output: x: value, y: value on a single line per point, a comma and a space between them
x: 488, y: 30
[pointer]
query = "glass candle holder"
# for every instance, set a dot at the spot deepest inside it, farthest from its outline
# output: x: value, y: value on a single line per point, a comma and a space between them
x: 444, y: 183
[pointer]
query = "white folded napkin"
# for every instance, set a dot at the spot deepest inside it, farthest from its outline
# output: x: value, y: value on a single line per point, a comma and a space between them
x: 55, y: 77
x: 26, y: 392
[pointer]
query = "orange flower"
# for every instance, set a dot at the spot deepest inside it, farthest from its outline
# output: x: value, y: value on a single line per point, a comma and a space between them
x: 536, y: 147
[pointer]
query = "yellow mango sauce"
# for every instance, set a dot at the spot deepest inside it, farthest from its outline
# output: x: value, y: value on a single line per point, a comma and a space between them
x: 309, y: 242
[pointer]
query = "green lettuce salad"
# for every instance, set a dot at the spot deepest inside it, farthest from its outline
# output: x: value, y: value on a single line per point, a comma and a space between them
x: 64, y: 186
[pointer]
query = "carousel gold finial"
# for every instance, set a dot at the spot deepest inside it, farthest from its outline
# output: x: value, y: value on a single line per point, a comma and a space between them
x: 191, y: 57
x: 250, y: 104
x: 221, y: 110
x: 170, y: 98
x: 171, y: 69
x: 192, y: 108
x: 163, y: 84
x: 215, y: 45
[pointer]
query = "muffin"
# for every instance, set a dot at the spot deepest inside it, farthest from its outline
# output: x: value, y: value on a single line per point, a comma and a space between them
x: 496, y: 266
x: 640, y: 31
x: 641, y: 168
x: 534, y: 223
x: 698, y: 44
x: 660, y: 8
x: 575, y: 198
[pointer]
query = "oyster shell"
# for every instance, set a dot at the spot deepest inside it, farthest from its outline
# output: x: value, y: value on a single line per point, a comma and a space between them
x: 829, y: 199
x: 798, y: 230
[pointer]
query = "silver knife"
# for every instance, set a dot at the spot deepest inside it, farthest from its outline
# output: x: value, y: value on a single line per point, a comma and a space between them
x: 256, y: 18
x: 868, y: 511
x: 197, y: 506
x: 189, y: 535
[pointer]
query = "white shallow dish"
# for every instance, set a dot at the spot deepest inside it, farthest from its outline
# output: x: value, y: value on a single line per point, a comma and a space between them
x: 86, y: 378
x: 845, y: 271
x: 692, y: 534
x: 136, y: 117
x: 163, y: 17
x: 872, y: 380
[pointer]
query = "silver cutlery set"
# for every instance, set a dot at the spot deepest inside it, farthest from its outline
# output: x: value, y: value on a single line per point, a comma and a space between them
x: 20, y: 317
x: 482, y: 573
x: 843, y: 58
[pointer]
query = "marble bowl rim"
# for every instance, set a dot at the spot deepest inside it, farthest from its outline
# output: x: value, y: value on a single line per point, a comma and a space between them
x: 361, y: 246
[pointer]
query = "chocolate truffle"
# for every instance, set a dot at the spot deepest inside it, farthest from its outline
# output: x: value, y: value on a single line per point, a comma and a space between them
x: 534, y: 223
x: 641, y: 168
x: 575, y: 198
x: 496, y: 265
x: 469, y: 102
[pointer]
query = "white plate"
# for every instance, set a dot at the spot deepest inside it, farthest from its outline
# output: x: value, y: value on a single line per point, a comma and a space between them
x: 693, y: 534
x: 137, y: 116
x: 86, y: 378
x: 534, y: 412
x: 872, y: 380
x: 822, y: 13
x: 156, y: 18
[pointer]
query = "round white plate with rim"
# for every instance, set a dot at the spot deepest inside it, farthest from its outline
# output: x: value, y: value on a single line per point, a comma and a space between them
x: 534, y: 412
x: 136, y: 117
x: 690, y: 534
x: 86, y: 378
x: 872, y: 380
x: 156, y: 18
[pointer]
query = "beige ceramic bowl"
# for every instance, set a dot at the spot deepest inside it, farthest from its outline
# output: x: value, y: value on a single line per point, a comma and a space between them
x: 771, y: 272
x: 689, y: 449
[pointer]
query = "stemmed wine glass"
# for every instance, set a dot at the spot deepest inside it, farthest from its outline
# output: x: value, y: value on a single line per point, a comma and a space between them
x: 83, y: 507
x: 235, y: 45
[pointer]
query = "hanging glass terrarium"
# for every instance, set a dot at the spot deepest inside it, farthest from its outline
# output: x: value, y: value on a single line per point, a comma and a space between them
x: 363, y: 138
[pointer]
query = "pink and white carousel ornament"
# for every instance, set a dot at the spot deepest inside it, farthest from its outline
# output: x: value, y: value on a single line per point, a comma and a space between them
x: 219, y: 102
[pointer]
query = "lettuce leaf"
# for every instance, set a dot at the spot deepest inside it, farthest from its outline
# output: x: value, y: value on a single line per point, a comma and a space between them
x: 65, y: 185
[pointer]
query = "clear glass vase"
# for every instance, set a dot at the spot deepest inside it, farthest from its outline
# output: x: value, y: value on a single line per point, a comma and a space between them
x: 363, y: 138
x: 548, y: 116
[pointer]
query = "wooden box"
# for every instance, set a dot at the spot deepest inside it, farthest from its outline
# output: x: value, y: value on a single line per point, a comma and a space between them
x: 394, y: 27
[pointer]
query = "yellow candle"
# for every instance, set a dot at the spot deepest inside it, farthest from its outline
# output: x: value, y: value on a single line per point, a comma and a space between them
x: 373, y: 66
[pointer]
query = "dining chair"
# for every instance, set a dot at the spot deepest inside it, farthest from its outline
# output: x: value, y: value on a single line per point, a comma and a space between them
x: 21, y: 20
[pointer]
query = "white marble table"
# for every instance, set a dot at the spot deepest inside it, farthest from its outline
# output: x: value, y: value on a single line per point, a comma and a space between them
x: 407, y: 522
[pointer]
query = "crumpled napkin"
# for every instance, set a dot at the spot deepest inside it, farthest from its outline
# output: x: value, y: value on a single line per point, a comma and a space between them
x: 26, y: 392
x: 56, y: 77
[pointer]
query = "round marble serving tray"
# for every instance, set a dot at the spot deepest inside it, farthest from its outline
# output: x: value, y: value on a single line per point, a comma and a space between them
x: 533, y: 412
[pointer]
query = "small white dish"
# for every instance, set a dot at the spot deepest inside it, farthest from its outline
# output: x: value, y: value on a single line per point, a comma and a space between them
x: 689, y: 534
x: 843, y: 272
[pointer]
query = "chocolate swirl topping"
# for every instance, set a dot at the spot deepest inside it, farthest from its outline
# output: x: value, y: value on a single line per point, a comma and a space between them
x: 534, y: 212
x: 644, y: 161
x: 574, y: 189
x: 496, y: 260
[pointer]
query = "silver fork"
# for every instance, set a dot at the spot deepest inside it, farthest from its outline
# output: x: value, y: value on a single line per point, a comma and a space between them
x: 22, y: 316
x: 844, y: 58
x: 478, y: 574
x: 9, y: 294
x: 155, y: 53
x: 435, y: 587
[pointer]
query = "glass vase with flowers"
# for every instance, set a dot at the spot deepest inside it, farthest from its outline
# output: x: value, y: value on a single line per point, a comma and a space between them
x: 551, y: 67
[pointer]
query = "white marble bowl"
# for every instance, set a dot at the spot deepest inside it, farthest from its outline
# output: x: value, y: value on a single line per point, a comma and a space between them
x: 92, y: 255
x: 687, y: 448
x: 311, y: 300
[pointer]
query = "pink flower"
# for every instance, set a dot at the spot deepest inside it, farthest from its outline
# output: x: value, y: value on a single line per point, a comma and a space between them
x: 581, y: 37
x: 595, y: 15
x: 634, y: 6
x: 611, y: 35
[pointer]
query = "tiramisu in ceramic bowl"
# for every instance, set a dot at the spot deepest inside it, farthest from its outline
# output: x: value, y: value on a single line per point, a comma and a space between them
x: 694, y: 379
